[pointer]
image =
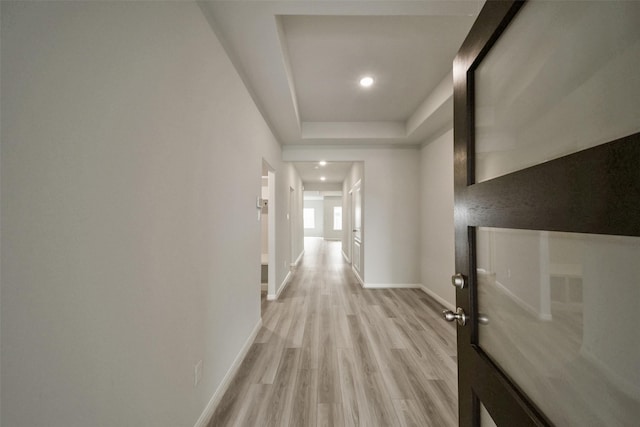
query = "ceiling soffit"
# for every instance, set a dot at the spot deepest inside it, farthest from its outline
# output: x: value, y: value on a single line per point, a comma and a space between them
x: 301, y: 62
x: 329, y: 54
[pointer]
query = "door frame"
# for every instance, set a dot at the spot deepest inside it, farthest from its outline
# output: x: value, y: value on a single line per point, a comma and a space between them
x: 591, y: 191
x: 290, y: 215
x: 357, y: 264
x: 271, y: 233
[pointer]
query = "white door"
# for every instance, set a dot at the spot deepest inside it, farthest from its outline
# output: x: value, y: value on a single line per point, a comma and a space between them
x: 356, y: 228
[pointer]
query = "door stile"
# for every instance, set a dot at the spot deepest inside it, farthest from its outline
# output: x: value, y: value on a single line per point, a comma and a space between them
x: 495, y: 18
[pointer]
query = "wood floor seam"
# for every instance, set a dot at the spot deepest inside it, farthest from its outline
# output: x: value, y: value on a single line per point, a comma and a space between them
x: 331, y: 353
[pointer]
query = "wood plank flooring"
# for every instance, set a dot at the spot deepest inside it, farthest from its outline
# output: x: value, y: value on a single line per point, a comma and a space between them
x: 333, y: 354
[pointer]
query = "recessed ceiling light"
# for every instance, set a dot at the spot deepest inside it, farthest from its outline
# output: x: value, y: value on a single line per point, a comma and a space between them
x: 322, y: 163
x: 366, y: 81
x: 322, y: 178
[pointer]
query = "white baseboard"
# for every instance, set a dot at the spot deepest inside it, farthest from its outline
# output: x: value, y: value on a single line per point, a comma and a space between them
x: 204, y: 419
x: 391, y: 285
x: 283, y: 285
x: 383, y: 285
x: 438, y: 298
x: 357, y: 275
x: 287, y: 279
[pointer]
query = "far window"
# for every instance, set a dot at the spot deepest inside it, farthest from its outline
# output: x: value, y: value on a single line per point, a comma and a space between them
x: 337, y: 218
x: 309, y: 217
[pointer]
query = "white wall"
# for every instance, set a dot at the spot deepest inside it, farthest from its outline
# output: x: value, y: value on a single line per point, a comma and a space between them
x: 131, y: 158
x: 322, y: 186
x: 330, y: 203
x: 288, y: 179
x: 437, y: 261
x: 323, y: 218
x: 318, y: 209
x: 391, y: 208
x: 392, y: 217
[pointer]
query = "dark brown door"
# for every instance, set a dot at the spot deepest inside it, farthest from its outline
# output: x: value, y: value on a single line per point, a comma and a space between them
x: 547, y: 214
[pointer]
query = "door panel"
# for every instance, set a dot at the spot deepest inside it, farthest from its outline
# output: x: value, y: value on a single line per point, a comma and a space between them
x: 357, y: 230
x: 540, y: 88
x: 547, y: 186
x: 551, y: 302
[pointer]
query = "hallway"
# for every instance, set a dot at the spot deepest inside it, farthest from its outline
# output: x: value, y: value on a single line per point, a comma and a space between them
x: 333, y: 353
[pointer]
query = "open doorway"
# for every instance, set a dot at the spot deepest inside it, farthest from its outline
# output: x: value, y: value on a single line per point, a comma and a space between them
x: 291, y: 203
x: 325, y: 213
x: 267, y: 227
x: 322, y: 217
x: 264, y: 227
x: 355, y: 243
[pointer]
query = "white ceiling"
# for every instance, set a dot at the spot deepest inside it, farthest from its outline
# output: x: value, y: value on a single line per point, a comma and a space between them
x: 334, y: 172
x: 320, y: 195
x: 301, y: 62
x: 329, y: 54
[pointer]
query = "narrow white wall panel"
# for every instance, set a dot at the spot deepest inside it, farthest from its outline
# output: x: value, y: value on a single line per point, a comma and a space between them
x: 437, y: 260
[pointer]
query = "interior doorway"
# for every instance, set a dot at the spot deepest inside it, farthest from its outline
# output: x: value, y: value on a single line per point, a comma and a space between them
x: 322, y: 215
x: 264, y: 228
x: 290, y: 218
x: 356, y: 229
x: 267, y: 226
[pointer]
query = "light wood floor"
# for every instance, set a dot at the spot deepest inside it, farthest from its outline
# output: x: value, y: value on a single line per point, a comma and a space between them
x: 332, y: 353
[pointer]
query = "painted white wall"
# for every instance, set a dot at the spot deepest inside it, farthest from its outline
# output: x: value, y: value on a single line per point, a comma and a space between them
x: 391, y: 208
x: 129, y: 260
x: 286, y: 180
x: 329, y: 204
x: 391, y: 217
x: 437, y: 259
x: 318, y: 209
x: 322, y: 186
